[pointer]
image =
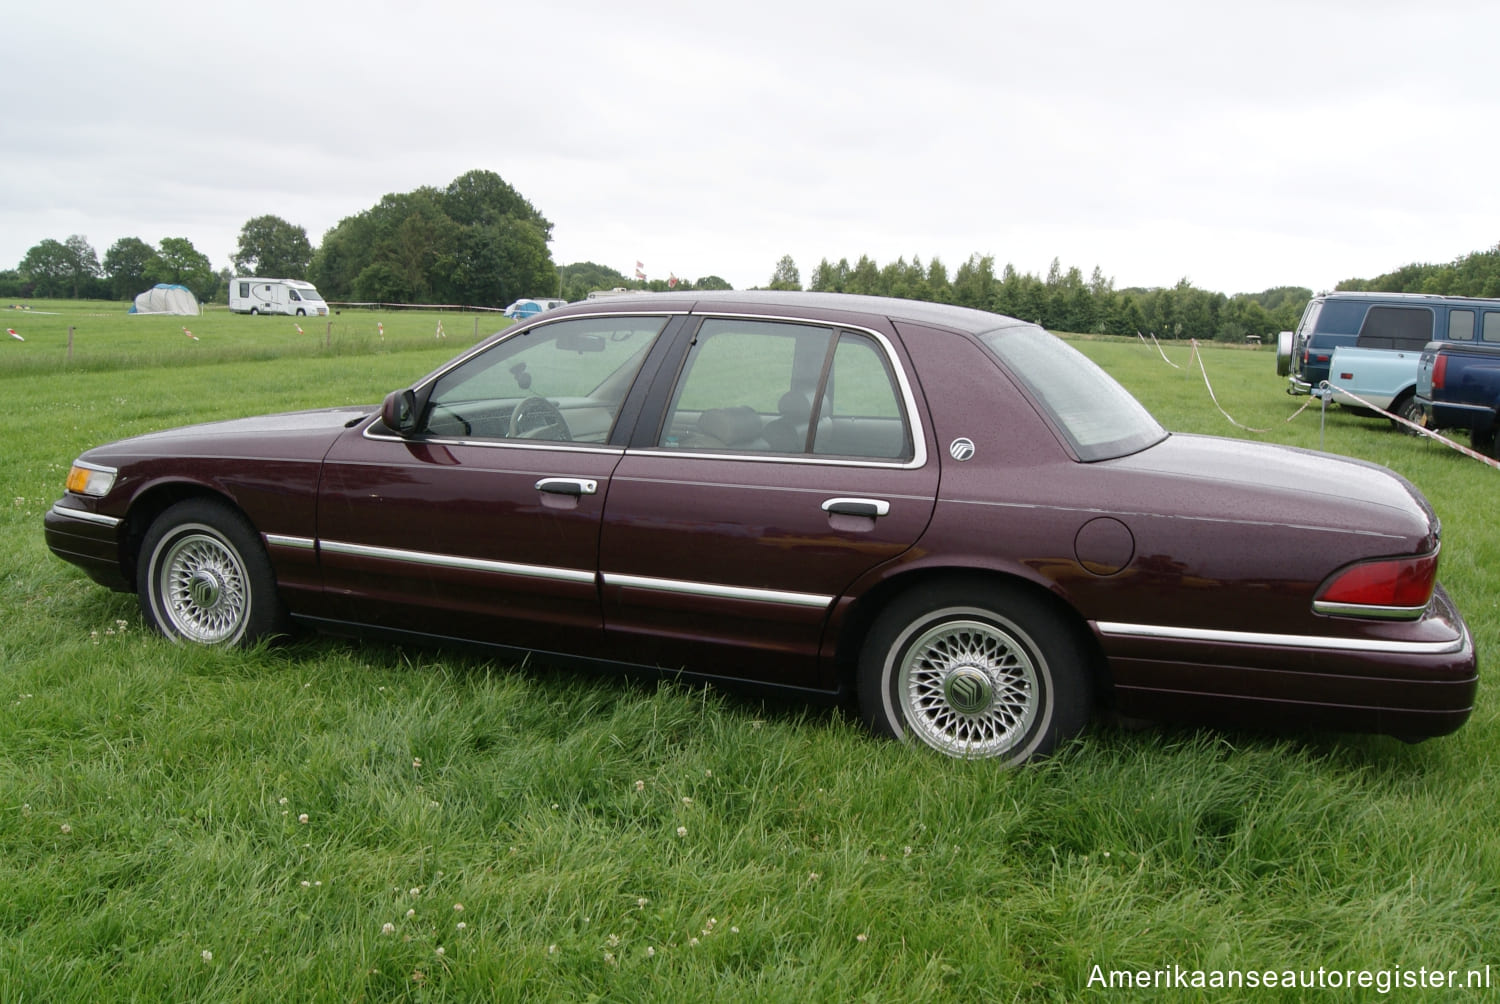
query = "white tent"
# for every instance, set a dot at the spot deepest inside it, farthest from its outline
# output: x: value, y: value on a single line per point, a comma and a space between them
x: 166, y: 298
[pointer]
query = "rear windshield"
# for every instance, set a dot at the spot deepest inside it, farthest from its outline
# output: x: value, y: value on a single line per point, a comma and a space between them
x: 1098, y: 417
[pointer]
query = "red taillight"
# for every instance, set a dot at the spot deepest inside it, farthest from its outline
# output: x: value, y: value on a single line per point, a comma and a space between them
x: 1439, y: 370
x: 1384, y: 587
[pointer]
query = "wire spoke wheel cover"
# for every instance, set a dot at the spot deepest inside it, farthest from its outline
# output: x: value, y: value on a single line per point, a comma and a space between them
x: 203, y: 577
x: 976, y: 669
x: 970, y: 688
x: 201, y: 582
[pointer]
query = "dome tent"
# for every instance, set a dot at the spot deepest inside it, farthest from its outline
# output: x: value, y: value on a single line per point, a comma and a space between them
x: 165, y: 298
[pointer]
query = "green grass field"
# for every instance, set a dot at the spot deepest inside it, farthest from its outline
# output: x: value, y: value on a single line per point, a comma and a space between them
x: 330, y: 821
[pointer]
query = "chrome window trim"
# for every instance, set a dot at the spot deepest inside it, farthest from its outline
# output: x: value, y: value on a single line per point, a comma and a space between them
x: 775, y: 458
x: 286, y: 540
x: 1111, y: 629
x: 83, y: 515
x: 908, y: 400
x: 457, y: 561
x: 686, y: 588
x: 505, y: 444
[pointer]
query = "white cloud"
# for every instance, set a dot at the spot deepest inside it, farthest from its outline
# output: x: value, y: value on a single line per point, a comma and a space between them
x: 1246, y: 147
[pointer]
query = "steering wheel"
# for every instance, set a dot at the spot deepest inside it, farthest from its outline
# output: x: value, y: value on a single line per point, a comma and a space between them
x: 538, y: 418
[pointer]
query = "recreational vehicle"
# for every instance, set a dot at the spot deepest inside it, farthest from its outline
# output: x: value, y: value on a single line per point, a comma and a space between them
x: 251, y: 295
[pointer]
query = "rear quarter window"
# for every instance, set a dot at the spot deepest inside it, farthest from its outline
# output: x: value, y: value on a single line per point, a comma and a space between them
x: 1396, y: 328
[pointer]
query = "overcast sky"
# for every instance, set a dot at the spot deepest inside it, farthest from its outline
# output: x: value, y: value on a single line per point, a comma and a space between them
x: 1241, y: 146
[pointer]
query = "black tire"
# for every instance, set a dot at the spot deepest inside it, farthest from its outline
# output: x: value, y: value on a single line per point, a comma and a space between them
x: 204, y: 577
x: 1485, y: 442
x: 1409, y: 409
x: 301, y: 312
x: 253, y: 311
x: 975, y: 671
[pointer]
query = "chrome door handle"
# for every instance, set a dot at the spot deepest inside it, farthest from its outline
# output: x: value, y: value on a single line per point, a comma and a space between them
x: 857, y: 507
x: 567, y: 486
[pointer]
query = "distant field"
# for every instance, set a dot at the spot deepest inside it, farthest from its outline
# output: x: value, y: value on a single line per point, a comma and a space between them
x: 340, y: 822
x: 107, y: 337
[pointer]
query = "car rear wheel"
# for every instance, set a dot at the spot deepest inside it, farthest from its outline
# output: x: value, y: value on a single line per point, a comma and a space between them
x: 204, y: 577
x: 975, y: 671
x: 1409, y: 409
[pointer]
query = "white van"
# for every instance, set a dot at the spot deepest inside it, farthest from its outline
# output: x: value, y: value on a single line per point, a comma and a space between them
x: 252, y: 295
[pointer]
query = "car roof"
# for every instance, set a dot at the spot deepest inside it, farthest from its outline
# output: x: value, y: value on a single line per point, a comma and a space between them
x: 945, y: 315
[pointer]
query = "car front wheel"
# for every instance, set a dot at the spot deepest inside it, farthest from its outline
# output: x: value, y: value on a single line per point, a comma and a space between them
x: 204, y: 577
x: 975, y: 671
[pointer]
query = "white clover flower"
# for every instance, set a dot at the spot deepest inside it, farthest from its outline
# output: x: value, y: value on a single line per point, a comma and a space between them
x: 208, y: 956
x: 551, y: 949
x: 387, y: 928
x: 66, y: 828
x: 861, y: 938
x: 650, y: 952
x: 462, y: 926
x: 440, y: 950
x: 640, y: 786
x: 281, y: 800
x: 458, y: 908
x: 306, y: 884
x: 302, y: 819
x: 641, y: 902
x: 416, y: 761
x: 411, y: 913
x: 682, y: 831
x: 416, y: 890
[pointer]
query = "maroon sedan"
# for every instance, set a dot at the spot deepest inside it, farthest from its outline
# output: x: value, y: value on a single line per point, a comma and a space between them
x: 952, y: 514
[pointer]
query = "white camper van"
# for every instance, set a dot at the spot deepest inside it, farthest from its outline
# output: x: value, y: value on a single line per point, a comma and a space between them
x: 250, y: 295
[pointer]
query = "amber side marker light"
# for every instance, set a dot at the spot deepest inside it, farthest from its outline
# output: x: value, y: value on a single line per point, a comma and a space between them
x: 1393, y: 588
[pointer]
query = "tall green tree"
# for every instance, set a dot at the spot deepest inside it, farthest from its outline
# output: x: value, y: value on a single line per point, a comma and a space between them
x: 270, y: 246
x: 786, y: 275
x: 59, y: 267
x: 177, y: 261
x: 476, y: 242
x: 125, y: 265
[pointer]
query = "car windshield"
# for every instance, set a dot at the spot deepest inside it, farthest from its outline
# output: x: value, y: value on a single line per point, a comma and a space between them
x: 1098, y: 417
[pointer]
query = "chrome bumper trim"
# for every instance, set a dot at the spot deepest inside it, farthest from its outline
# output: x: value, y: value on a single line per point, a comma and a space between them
x: 84, y: 516
x: 1111, y: 629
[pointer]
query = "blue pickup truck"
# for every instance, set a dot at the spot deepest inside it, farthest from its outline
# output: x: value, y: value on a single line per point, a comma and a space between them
x: 1369, y: 343
x: 1458, y: 386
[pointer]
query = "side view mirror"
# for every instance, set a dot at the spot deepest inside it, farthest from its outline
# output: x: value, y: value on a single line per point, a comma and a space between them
x: 399, y: 412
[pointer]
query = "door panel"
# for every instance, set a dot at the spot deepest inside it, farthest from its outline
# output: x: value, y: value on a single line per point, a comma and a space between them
x: 731, y: 566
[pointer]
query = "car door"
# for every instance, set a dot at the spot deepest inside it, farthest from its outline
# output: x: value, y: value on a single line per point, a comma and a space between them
x: 786, y: 459
x: 483, y: 522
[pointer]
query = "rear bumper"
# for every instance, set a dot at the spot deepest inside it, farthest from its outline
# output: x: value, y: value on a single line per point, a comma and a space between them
x: 1416, y: 686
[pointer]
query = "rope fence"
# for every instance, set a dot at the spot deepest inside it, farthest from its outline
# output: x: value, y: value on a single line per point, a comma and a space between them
x: 1332, y: 390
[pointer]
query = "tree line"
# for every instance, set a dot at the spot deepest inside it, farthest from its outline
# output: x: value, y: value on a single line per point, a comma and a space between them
x: 1063, y: 300
x: 478, y: 242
